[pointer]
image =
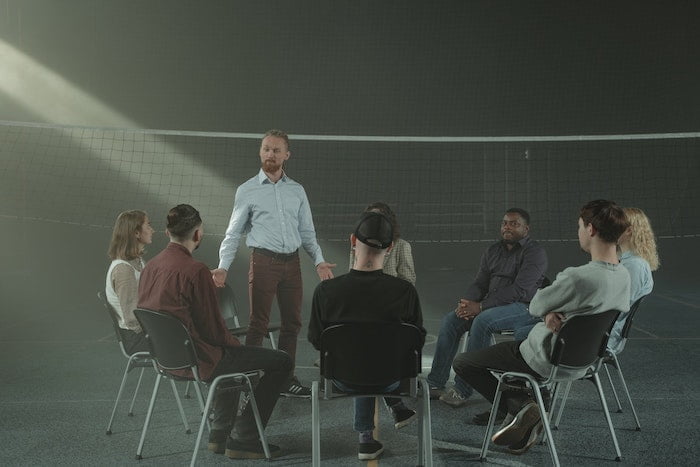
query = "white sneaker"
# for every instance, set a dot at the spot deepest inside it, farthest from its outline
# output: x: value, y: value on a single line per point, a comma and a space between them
x: 454, y: 399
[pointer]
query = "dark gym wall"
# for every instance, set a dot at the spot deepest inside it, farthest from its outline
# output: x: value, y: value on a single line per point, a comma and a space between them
x: 371, y: 68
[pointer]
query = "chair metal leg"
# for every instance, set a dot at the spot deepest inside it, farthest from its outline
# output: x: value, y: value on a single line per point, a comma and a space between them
x: 315, y: 427
x: 187, y: 391
x: 420, y: 411
x: 273, y: 342
x: 627, y: 392
x: 136, y: 391
x: 492, y: 421
x: 545, y: 423
x: 258, y: 420
x: 200, y: 399
x: 205, y: 419
x: 463, y: 345
x: 179, y: 406
x: 146, y: 422
x: 426, y: 425
x: 612, y: 387
x: 564, y: 397
x: 119, y: 395
x: 604, y: 404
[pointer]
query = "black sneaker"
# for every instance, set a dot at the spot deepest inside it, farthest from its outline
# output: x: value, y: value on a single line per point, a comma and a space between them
x: 217, y: 440
x: 253, y: 449
x: 517, y: 432
x: 295, y: 389
x: 402, y: 416
x: 482, y: 419
x: 370, y: 450
x: 532, y: 438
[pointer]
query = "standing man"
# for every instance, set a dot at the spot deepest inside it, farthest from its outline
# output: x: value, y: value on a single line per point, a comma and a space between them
x: 602, y: 284
x: 367, y: 295
x: 273, y: 210
x: 174, y: 282
x: 510, y: 273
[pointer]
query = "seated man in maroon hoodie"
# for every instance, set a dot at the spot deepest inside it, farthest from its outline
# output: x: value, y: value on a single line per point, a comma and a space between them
x: 174, y: 282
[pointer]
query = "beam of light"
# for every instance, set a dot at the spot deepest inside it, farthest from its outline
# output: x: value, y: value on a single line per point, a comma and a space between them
x: 56, y: 100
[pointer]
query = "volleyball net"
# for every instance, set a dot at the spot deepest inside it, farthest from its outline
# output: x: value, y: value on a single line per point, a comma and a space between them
x: 443, y: 189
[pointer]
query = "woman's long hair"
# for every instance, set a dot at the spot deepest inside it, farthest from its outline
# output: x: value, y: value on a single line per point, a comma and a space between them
x: 124, y: 244
x: 642, y: 241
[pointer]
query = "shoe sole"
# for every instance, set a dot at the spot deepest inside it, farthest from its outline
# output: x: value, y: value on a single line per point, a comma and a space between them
x: 236, y: 454
x: 516, y: 431
x: 297, y: 396
x: 403, y: 423
x: 217, y: 448
x: 370, y: 455
x: 532, y: 440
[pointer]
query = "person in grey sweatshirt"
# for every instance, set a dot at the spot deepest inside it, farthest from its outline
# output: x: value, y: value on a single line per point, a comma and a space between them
x: 600, y: 285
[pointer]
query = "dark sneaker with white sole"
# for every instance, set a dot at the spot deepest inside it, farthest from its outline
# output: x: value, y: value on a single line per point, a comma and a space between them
x: 217, y: 440
x: 517, y: 432
x: 402, y: 417
x: 532, y: 439
x: 369, y: 451
x: 296, y: 389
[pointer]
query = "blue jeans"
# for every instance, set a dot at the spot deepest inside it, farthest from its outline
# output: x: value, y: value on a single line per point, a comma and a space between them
x: 364, y: 406
x: 481, y: 329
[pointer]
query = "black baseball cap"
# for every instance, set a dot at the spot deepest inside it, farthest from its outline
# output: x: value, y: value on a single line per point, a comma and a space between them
x: 374, y: 229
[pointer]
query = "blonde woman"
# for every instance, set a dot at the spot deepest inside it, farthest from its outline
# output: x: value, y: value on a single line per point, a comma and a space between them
x: 132, y: 232
x: 638, y: 254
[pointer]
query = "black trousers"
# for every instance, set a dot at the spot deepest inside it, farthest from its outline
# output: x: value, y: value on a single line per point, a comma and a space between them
x: 276, y: 364
x: 473, y: 368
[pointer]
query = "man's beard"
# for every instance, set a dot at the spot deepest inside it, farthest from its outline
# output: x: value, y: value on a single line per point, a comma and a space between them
x: 271, y: 166
x: 512, y: 240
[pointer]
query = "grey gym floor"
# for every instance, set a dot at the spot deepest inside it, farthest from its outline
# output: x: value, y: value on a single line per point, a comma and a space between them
x: 61, y: 367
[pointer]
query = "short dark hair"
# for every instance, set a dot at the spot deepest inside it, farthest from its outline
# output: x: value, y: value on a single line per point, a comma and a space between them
x: 183, y: 219
x: 607, y: 218
x: 522, y: 213
x: 278, y: 134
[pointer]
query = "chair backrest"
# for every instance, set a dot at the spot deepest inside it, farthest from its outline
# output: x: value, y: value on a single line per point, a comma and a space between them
x: 630, y: 317
x: 113, y: 316
x: 168, y: 339
x: 228, y: 305
x: 583, y: 339
x: 371, y: 354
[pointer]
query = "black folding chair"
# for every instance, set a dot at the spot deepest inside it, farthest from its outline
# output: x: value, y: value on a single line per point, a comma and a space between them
x: 612, y: 360
x: 172, y: 348
x: 369, y: 356
x: 141, y: 360
x: 579, y: 345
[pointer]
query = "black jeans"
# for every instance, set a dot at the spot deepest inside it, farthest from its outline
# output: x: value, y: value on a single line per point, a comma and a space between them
x: 276, y: 364
x: 473, y: 368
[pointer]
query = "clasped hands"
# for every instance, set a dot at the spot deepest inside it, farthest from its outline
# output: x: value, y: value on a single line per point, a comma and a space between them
x: 467, y: 309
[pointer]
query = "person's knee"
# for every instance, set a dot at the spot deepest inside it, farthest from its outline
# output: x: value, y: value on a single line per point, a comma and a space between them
x: 283, y: 362
x: 453, y: 325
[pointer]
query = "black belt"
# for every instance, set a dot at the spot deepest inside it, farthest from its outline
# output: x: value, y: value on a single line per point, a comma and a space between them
x: 283, y: 257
